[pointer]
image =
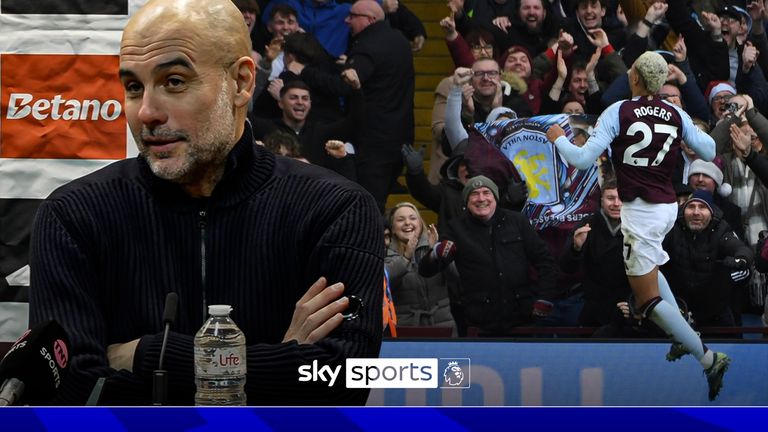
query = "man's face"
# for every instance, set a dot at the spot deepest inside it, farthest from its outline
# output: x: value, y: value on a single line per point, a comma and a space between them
x: 671, y: 94
x: 578, y: 85
x: 250, y: 18
x: 590, y: 13
x: 282, y: 25
x: 611, y: 203
x: 532, y: 13
x: 697, y: 216
x: 295, y: 104
x: 485, y: 77
x: 179, y: 102
x: 731, y: 27
x: 481, y: 203
x: 718, y: 103
x: 358, y: 20
x: 702, y: 182
x: 518, y: 63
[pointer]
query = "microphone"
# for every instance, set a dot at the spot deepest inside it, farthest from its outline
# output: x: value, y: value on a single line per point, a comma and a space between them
x: 160, y: 376
x: 35, y: 366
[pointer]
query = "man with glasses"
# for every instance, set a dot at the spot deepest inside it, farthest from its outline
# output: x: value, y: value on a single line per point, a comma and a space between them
x: 383, y: 60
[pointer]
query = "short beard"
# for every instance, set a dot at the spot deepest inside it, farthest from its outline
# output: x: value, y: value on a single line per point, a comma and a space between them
x: 204, y: 153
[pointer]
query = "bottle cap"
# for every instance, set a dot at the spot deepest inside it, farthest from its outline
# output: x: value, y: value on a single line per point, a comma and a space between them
x: 219, y: 310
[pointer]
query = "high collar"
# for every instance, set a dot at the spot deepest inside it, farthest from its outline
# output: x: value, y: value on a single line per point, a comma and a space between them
x: 248, y: 168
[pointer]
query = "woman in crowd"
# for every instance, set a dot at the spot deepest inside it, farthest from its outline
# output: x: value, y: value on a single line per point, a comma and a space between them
x: 419, y: 301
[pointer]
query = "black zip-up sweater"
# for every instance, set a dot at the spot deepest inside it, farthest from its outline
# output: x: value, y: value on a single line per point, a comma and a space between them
x: 108, y: 247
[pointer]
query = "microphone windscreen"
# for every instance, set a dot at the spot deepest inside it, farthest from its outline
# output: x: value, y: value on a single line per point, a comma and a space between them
x: 39, y: 359
x: 171, y: 305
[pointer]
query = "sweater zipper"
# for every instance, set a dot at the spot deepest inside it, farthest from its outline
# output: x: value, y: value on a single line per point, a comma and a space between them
x: 201, y: 223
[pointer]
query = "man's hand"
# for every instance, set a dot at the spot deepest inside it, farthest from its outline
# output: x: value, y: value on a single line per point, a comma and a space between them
x: 414, y: 159
x: 756, y: 10
x: 456, y: 7
x: 274, y: 48
x: 562, y: 68
x: 749, y: 56
x: 680, y: 50
x: 656, y: 11
x: 580, y: 236
x: 317, y: 313
x: 449, y: 28
x: 565, y: 43
x: 336, y: 149
x: 502, y: 23
x: 295, y: 67
x: 120, y: 355
x: 350, y: 76
x: 274, y: 88
x: 462, y: 76
x: 592, y: 64
x: 598, y: 38
x: 554, y: 132
x: 740, y: 142
x: 624, y: 309
x: 712, y: 23
x: 675, y: 75
x: 417, y: 43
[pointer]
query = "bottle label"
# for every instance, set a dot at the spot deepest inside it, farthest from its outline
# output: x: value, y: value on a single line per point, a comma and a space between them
x: 219, y: 361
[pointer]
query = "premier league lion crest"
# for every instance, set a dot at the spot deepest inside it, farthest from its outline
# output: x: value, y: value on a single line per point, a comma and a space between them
x: 453, y: 375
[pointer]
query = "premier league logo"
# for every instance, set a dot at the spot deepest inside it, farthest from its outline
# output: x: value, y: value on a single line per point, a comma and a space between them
x: 453, y: 375
x: 456, y: 373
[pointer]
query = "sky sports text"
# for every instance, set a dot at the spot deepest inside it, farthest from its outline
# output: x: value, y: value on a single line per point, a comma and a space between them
x: 392, y: 373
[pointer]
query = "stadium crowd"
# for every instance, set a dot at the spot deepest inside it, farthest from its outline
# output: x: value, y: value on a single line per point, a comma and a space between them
x: 344, y: 101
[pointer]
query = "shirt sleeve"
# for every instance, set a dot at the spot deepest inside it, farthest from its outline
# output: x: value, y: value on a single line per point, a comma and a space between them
x: 606, y: 129
x: 695, y: 138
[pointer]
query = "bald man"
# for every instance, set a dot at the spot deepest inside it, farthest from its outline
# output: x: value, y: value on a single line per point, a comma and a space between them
x: 383, y: 60
x: 205, y: 213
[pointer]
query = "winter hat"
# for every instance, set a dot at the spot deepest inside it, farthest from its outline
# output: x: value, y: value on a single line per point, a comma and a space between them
x: 703, y: 196
x: 736, y: 13
x: 478, y: 182
x: 712, y: 171
x: 653, y: 69
x: 716, y: 87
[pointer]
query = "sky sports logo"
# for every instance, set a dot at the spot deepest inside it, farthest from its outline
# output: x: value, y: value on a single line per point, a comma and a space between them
x: 393, y: 373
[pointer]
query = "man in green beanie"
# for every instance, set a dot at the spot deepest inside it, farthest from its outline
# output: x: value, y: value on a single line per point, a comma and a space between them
x: 495, y: 249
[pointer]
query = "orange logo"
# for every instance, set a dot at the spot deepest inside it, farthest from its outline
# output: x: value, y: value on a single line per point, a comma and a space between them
x: 61, y: 107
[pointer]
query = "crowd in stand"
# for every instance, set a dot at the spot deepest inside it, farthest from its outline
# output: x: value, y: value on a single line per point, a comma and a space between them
x: 344, y: 100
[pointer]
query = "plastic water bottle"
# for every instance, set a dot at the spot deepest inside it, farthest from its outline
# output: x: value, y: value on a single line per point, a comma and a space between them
x: 220, y: 360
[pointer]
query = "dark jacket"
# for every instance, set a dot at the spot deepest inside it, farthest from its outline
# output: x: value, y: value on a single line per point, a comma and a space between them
x: 497, y: 261
x: 601, y: 263
x: 709, y: 59
x: 695, y: 271
x: 384, y: 63
x: 108, y: 247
